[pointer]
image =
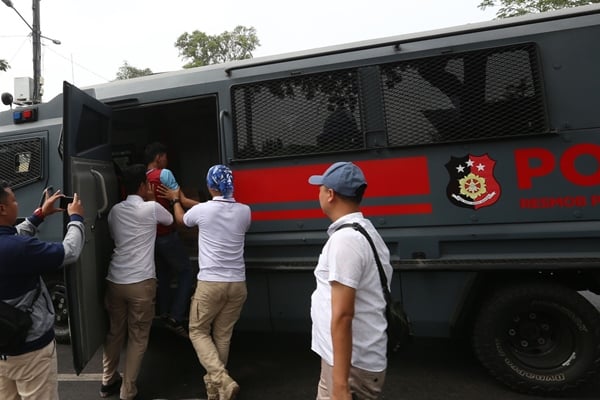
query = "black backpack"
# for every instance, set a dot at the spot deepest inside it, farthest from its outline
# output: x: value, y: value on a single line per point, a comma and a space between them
x: 15, y: 324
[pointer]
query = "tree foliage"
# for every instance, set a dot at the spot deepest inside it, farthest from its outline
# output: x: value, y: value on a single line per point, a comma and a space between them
x: 513, y: 8
x: 127, y: 71
x: 4, y: 65
x: 201, y: 49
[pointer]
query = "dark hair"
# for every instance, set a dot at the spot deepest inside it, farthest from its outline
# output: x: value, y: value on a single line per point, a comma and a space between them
x: 358, y: 196
x: 133, y: 176
x: 152, y: 150
x: 3, y: 193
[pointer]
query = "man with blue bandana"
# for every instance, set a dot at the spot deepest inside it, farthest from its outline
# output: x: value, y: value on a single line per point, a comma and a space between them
x: 221, y: 289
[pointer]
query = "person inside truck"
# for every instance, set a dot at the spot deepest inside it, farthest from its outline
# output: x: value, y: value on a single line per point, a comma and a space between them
x: 347, y: 306
x: 171, y: 256
x: 29, y: 370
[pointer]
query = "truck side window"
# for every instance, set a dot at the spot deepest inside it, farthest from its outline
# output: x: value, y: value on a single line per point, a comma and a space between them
x: 21, y: 161
x: 462, y: 97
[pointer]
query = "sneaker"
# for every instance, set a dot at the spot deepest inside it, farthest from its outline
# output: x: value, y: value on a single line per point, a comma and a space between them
x: 229, y: 389
x: 176, y: 327
x: 111, y: 389
x: 212, y: 391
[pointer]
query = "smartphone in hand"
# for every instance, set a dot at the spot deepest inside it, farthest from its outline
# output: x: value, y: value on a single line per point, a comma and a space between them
x: 64, y: 201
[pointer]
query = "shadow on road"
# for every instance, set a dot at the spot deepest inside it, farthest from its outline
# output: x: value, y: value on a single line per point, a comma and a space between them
x: 281, y: 366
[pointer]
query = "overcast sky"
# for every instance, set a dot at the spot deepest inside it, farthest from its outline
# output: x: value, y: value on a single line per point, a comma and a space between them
x: 98, y: 36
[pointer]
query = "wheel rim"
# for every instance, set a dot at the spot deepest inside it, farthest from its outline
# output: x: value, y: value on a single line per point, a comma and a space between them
x: 59, y: 301
x: 541, y: 338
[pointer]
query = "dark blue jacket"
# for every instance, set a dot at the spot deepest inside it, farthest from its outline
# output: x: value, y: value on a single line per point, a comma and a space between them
x: 23, y: 259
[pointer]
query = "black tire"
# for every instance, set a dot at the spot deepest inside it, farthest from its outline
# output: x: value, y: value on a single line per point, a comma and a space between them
x: 538, y: 338
x: 58, y: 293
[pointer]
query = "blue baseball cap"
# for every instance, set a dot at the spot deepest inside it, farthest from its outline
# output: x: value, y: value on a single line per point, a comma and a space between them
x: 342, y: 177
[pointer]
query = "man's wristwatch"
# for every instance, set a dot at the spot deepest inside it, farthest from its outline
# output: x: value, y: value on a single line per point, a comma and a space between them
x: 39, y: 213
x: 173, y: 201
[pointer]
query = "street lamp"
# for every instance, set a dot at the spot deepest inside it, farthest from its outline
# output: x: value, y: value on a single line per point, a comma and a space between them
x: 37, y: 54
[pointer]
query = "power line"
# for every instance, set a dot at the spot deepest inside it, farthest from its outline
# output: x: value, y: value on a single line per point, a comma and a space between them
x: 70, y: 60
x: 18, y: 50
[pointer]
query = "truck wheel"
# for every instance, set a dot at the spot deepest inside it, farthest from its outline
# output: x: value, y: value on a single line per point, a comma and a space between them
x: 538, y: 338
x: 58, y: 293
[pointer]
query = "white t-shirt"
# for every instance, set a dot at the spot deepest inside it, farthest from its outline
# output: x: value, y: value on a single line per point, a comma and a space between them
x: 347, y: 258
x: 222, y: 226
x: 132, y: 225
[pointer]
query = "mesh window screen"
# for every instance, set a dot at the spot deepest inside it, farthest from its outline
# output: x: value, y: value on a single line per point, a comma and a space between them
x: 481, y: 94
x: 299, y: 115
x: 21, y: 161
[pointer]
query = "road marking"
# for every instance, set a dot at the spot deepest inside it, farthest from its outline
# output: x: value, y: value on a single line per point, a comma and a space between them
x: 79, y: 378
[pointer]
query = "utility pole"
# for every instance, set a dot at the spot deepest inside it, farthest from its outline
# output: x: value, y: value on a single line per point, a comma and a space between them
x: 37, y: 52
x: 36, y: 35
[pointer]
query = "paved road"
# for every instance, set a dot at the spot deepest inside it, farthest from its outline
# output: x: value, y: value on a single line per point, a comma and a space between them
x: 270, y: 367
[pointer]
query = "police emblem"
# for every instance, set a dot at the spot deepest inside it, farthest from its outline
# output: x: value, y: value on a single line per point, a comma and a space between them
x: 472, y: 182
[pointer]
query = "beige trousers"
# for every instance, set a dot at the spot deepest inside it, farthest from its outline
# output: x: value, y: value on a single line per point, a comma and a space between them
x: 364, y: 385
x: 30, y: 376
x: 130, y: 312
x: 215, y: 308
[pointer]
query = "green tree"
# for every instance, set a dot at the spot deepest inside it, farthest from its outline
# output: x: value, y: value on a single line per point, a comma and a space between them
x: 126, y: 71
x: 201, y: 49
x: 513, y: 8
x: 4, y: 65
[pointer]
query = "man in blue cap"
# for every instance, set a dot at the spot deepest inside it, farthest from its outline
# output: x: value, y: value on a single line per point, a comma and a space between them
x: 347, y: 307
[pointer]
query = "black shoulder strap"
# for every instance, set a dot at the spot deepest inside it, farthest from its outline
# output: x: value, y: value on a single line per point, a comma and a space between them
x: 356, y: 226
x: 37, y: 294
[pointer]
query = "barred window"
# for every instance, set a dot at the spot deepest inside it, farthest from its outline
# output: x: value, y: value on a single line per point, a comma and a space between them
x: 21, y: 161
x: 467, y: 96
x: 299, y: 115
x: 474, y: 95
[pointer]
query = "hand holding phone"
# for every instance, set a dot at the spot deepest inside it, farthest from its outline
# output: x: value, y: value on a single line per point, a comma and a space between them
x: 64, y: 201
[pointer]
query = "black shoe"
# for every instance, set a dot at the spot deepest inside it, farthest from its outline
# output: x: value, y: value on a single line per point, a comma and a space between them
x: 113, y: 388
x: 176, y: 327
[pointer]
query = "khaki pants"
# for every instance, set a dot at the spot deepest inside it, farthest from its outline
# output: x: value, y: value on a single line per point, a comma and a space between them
x: 30, y: 376
x: 216, y: 307
x: 364, y: 385
x: 130, y: 312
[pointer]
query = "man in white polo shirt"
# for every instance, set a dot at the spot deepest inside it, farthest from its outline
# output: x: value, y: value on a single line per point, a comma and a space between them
x: 347, y: 307
x: 131, y: 282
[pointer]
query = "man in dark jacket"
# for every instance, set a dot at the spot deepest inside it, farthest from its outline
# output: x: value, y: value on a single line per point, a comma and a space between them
x: 30, y: 370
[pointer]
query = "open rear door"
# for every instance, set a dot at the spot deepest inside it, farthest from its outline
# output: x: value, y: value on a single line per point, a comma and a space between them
x: 90, y: 173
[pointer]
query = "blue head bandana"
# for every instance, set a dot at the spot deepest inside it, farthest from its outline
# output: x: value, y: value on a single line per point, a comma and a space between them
x: 219, y: 177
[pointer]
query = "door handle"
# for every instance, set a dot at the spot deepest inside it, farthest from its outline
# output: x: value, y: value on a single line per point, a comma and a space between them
x: 102, y: 190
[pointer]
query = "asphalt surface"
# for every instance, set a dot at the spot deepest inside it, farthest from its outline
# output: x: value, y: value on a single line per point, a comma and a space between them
x: 281, y: 366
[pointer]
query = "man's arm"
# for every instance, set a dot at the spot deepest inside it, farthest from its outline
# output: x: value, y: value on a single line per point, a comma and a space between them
x: 74, y: 240
x: 75, y: 236
x: 178, y: 211
x: 174, y: 196
x: 168, y: 180
x: 342, y: 313
x: 163, y: 216
x: 29, y: 226
x: 186, y: 202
